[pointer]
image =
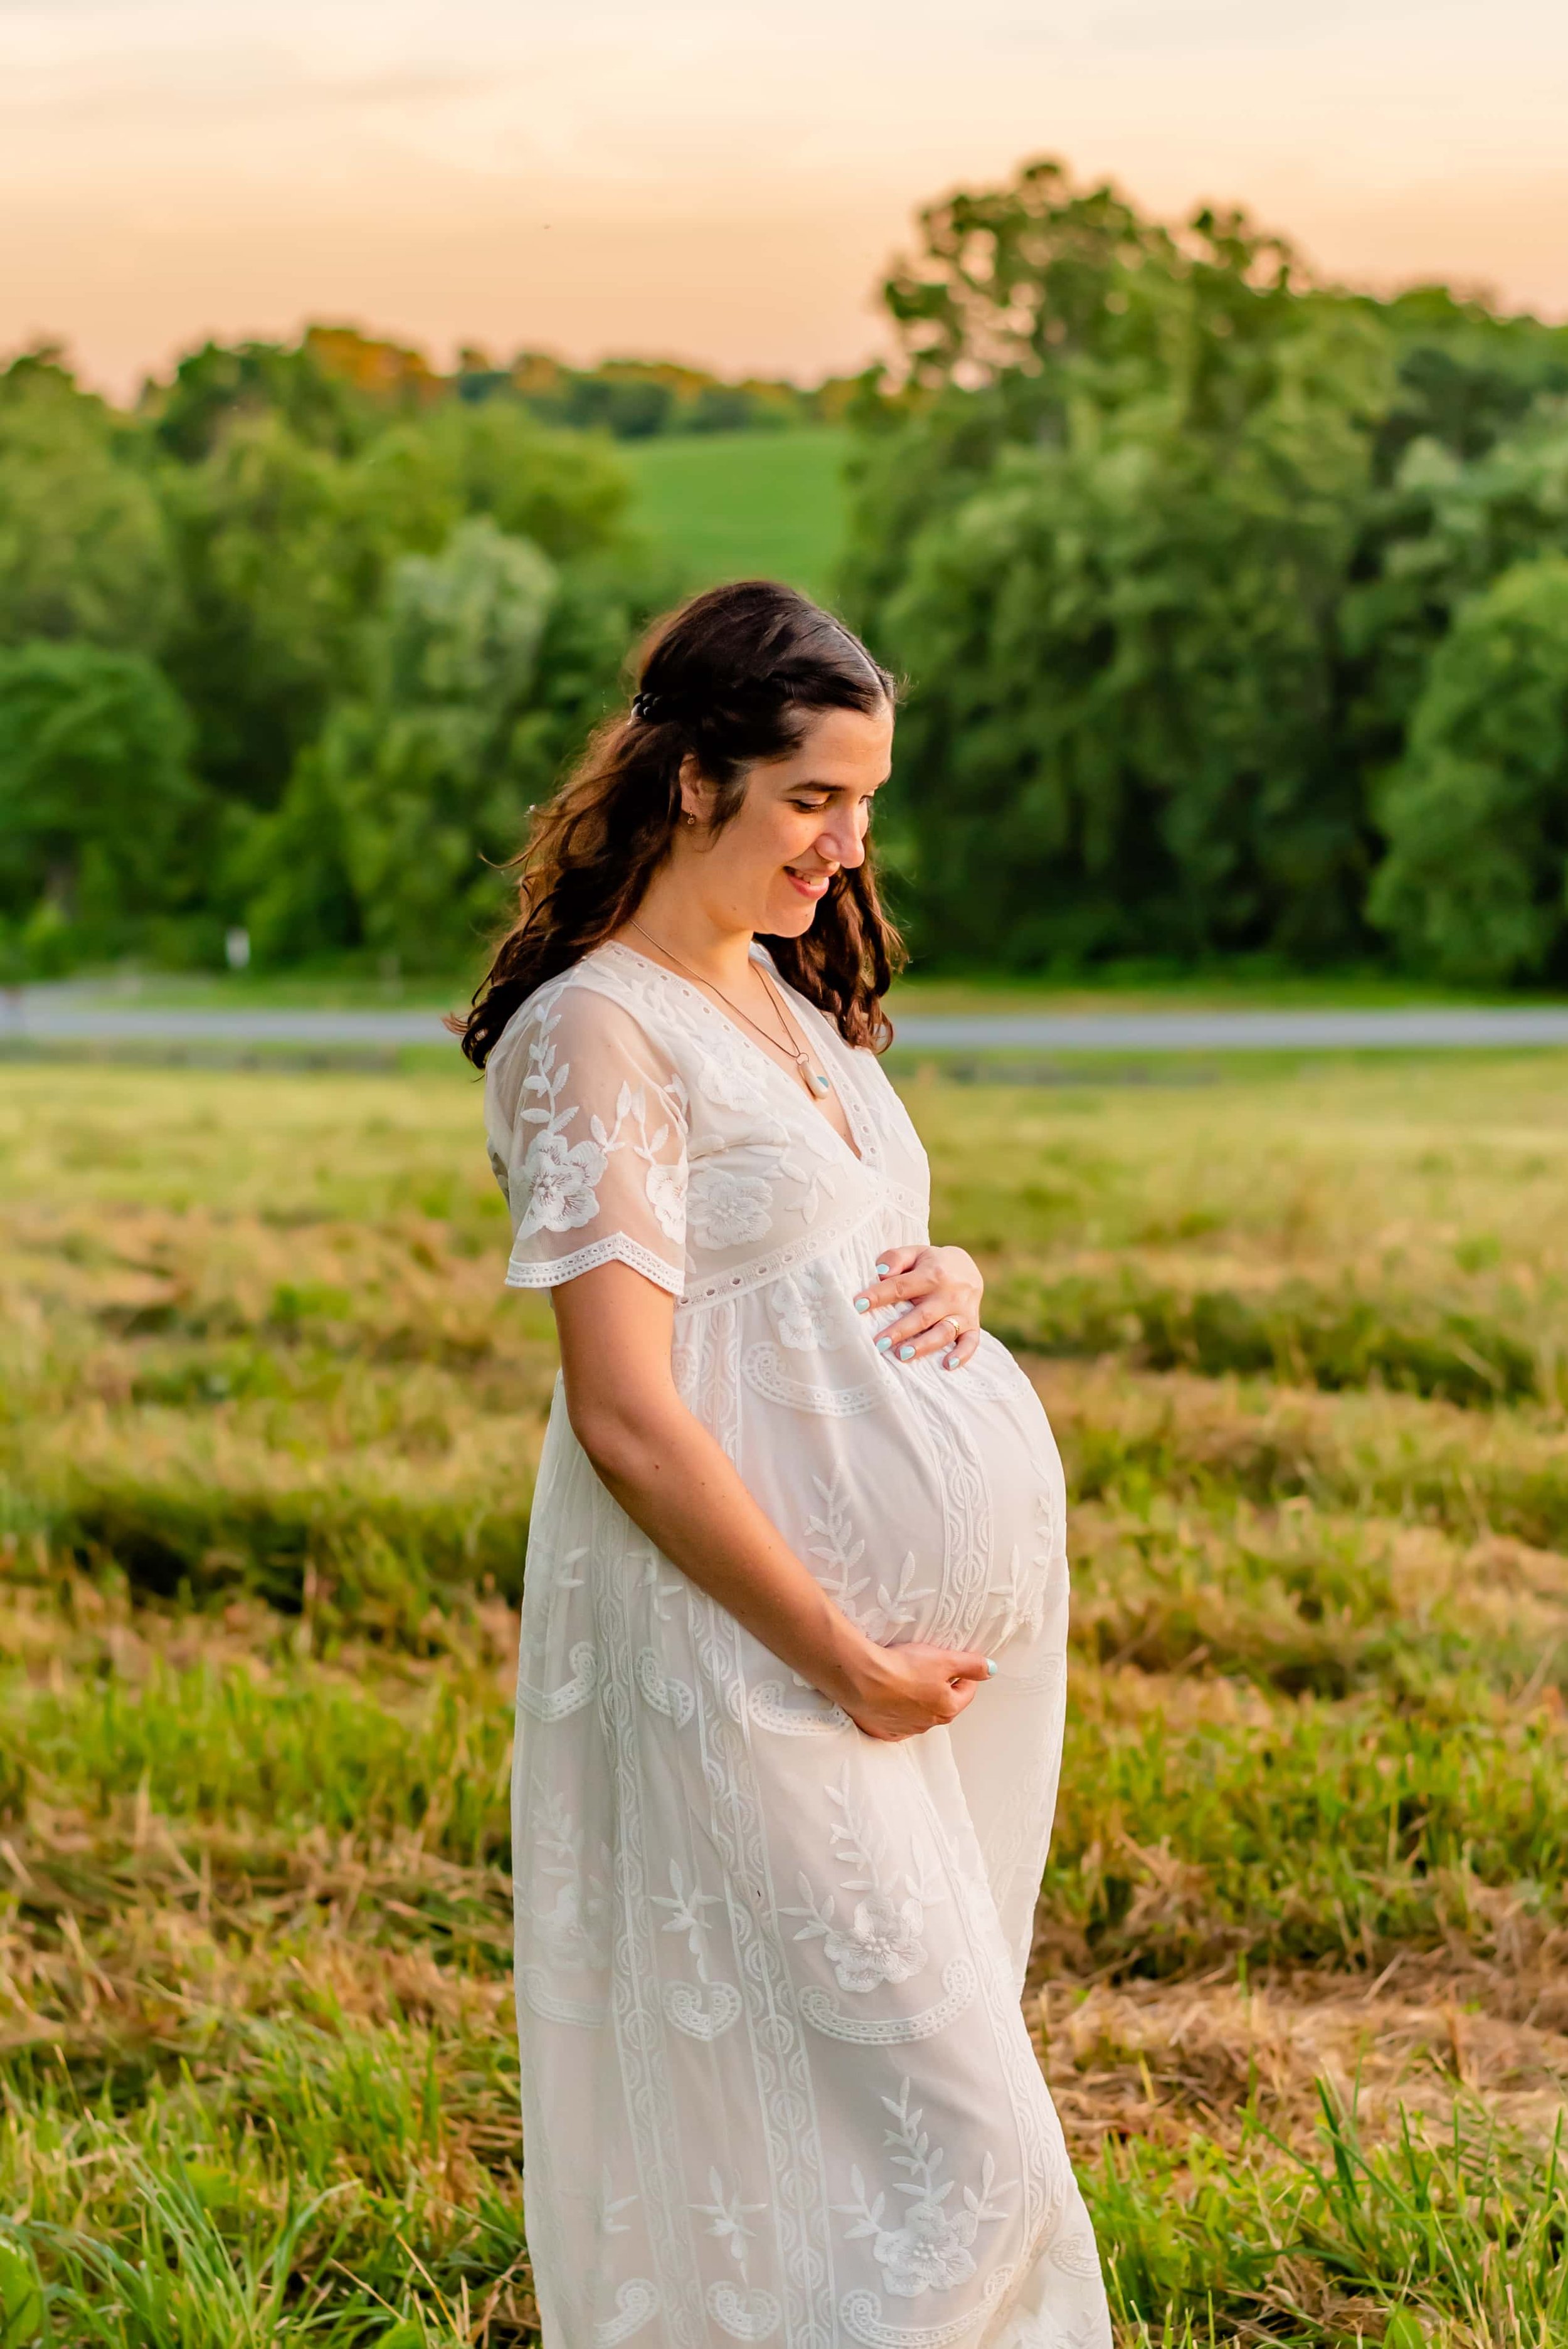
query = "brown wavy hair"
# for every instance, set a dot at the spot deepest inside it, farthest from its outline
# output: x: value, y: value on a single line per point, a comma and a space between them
x: 730, y: 677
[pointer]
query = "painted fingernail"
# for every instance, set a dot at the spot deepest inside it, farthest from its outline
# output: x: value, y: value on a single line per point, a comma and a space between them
x: 884, y: 1345
x: 881, y: 1272
x: 990, y: 1669
x: 863, y: 1305
x: 906, y: 1353
x: 950, y: 1361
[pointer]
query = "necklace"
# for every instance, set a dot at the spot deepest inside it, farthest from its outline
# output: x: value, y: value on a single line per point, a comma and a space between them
x: 815, y: 1080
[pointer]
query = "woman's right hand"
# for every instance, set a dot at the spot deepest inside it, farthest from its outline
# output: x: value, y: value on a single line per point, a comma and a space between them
x: 902, y: 1691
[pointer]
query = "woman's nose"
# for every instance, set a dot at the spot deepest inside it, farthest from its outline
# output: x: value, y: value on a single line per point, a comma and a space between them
x: 842, y: 842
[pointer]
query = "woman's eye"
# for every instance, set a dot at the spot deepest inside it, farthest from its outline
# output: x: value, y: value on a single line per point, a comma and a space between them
x: 810, y: 807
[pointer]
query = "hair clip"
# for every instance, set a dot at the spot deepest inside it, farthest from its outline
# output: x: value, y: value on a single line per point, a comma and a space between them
x: 645, y: 705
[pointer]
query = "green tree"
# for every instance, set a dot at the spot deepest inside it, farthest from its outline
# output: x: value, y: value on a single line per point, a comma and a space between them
x: 284, y: 550
x: 390, y: 815
x: 1031, y: 309
x: 1104, y: 531
x: 1475, y: 883
x: 1440, y: 529
x: 1120, y: 732
x: 486, y: 666
x: 279, y: 564
x: 220, y: 385
x: 1170, y: 542
x: 101, y: 824
x: 84, y: 550
x: 565, y: 490
x: 1467, y: 377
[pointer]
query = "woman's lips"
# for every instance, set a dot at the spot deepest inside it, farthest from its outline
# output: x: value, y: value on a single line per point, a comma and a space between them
x: 809, y: 886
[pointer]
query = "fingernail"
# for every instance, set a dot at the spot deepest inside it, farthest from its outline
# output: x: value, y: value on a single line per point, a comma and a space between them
x: 881, y: 1272
x: 950, y: 1361
x: 990, y: 1669
x: 863, y: 1305
x: 906, y: 1353
x: 883, y: 1345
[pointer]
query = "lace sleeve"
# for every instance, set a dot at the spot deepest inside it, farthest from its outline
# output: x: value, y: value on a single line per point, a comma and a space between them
x: 587, y: 1125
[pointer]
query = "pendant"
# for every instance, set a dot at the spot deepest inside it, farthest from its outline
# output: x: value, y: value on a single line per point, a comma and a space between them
x: 817, y: 1080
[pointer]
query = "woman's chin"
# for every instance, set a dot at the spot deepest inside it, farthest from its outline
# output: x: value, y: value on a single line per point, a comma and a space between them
x: 790, y: 920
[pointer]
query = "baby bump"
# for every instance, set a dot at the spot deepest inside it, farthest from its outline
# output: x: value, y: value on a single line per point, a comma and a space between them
x: 933, y: 1511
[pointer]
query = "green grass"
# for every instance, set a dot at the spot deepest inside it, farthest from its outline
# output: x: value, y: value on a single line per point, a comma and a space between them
x: 267, y: 1433
x: 745, y: 505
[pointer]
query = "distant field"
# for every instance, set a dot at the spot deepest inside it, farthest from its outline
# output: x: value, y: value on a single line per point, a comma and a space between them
x: 267, y: 1433
x: 738, y: 505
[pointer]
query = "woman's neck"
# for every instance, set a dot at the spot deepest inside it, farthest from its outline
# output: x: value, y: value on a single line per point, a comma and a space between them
x: 673, y: 919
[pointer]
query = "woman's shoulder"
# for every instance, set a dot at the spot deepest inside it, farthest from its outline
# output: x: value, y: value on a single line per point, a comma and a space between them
x: 597, y: 1005
x: 600, y: 977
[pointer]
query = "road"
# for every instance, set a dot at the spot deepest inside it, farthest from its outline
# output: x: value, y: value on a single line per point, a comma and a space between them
x: 44, y: 1015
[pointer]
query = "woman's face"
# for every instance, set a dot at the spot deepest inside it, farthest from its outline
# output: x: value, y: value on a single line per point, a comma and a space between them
x: 801, y: 818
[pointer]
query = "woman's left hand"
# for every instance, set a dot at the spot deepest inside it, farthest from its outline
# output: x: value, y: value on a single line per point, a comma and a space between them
x: 942, y: 1289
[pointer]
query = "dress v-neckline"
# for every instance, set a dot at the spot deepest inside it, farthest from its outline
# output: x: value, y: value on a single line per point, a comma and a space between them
x: 751, y: 1045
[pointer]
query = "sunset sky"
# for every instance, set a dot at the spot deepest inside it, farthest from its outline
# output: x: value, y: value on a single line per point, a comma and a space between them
x: 720, y: 180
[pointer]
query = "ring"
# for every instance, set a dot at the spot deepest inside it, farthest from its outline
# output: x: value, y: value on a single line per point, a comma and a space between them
x: 953, y: 1319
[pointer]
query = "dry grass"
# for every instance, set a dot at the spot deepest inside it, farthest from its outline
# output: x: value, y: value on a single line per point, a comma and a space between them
x: 267, y: 1432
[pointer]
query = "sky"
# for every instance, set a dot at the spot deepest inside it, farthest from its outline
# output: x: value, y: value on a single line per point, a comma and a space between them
x: 722, y: 180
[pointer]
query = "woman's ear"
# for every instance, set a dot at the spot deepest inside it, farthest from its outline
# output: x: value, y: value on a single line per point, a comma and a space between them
x: 696, y: 793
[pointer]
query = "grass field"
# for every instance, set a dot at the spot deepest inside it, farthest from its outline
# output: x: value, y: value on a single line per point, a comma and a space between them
x: 739, y: 505
x: 267, y: 1428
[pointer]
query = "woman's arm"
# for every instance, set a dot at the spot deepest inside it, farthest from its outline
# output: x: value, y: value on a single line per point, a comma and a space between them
x: 675, y: 1482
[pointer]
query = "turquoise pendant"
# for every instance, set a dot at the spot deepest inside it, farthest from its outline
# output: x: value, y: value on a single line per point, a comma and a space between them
x: 817, y: 1080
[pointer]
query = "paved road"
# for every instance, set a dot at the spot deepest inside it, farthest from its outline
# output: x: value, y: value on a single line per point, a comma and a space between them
x: 47, y: 1014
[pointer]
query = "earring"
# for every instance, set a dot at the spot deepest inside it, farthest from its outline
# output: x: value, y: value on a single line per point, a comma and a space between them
x: 689, y: 821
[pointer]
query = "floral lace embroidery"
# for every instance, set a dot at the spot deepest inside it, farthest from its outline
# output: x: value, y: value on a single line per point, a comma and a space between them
x: 766, y: 1374
x: 747, y: 2314
x: 931, y: 2249
x: 748, y: 2317
x: 728, y: 1083
x: 860, y: 2312
x: 898, y: 1608
x: 555, y: 1705
x: 808, y: 1311
x: 881, y: 1941
x: 822, y: 2010
x: 835, y: 1545
x: 818, y: 1716
x: 636, y: 2302
x: 561, y: 1179
x: 702, y: 2010
x: 726, y: 1210
x: 574, y: 1927
x: 838, y: 1549
x: 583, y: 2014
x: 610, y: 2202
x: 1047, y: 2173
x: 666, y: 1695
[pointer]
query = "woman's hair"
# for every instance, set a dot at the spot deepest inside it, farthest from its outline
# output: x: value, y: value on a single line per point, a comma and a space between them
x: 731, y: 677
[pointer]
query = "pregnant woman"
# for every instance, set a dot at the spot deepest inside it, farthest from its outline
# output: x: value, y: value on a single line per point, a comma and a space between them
x: 792, y: 1674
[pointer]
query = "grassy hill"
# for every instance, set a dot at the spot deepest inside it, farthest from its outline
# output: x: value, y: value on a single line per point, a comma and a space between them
x: 737, y: 505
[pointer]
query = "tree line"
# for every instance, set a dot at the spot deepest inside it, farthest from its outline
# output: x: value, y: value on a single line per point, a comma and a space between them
x: 290, y: 648
x: 1233, y: 608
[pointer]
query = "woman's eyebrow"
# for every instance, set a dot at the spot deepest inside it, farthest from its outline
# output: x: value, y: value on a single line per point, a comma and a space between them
x: 840, y: 787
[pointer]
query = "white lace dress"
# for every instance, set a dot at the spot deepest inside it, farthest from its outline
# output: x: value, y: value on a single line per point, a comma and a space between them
x: 777, y: 2084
